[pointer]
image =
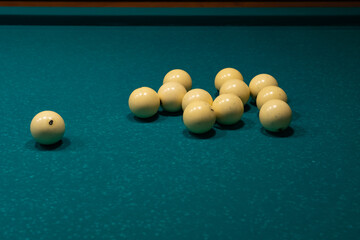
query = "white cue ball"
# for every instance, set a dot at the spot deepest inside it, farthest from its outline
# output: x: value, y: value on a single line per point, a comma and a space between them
x: 180, y: 76
x: 196, y: 94
x: 171, y: 95
x: 228, y: 109
x: 259, y: 82
x: 47, y: 127
x: 269, y: 93
x: 144, y: 102
x: 227, y: 74
x: 199, y: 117
x: 237, y: 87
x: 275, y: 115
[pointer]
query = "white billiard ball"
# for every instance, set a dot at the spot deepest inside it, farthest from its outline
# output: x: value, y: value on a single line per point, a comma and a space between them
x: 171, y: 95
x: 196, y: 94
x: 227, y: 74
x: 275, y: 115
x: 237, y: 87
x: 180, y: 76
x: 269, y: 93
x: 144, y: 102
x: 228, y: 109
x: 199, y: 117
x: 259, y: 82
x: 47, y: 127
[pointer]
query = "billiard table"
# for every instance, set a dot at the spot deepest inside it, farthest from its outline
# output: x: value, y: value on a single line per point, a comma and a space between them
x: 115, y: 176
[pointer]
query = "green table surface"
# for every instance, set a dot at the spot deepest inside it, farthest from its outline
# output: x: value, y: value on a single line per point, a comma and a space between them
x: 115, y: 177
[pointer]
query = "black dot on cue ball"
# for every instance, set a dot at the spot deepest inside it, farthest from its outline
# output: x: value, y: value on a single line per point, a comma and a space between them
x: 51, y: 122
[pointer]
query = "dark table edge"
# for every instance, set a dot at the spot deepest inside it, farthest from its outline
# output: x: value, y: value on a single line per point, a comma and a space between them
x: 180, y: 16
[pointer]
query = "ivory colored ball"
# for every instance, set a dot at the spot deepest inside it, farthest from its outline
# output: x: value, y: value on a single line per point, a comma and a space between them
x: 180, y: 76
x: 144, y: 102
x: 199, y: 117
x: 269, y: 93
x: 275, y: 115
x: 171, y: 95
x: 196, y: 94
x: 237, y: 87
x: 228, y: 109
x: 47, y: 127
x: 225, y: 75
x: 259, y: 82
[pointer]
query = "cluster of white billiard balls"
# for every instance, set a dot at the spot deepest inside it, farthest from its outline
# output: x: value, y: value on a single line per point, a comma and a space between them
x: 200, y: 111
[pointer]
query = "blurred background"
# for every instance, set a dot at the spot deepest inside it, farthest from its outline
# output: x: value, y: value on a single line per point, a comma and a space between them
x: 198, y: 3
